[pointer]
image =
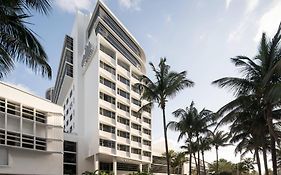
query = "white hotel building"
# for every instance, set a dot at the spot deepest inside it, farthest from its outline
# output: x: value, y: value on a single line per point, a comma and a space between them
x: 31, y: 133
x: 100, y: 63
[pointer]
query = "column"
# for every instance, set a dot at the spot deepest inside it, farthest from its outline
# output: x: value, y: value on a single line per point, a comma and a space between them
x: 96, y: 162
x: 114, y: 166
x: 140, y: 167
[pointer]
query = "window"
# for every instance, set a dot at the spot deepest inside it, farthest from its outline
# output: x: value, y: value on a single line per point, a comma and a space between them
x: 123, y: 120
x: 107, y: 98
x: 70, y: 130
x: 123, y: 80
x: 135, y: 114
x: 123, y: 65
x: 107, y: 68
x: 70, y: 94
x: 135, y: 151
x: 107, y: 83
x: 107, y: 128
x: 123, y: 134
x: 146, y: 153
x: 107, y: 51
x: 146, y: 131
x: 147, y: 109
x: 123, y: 93
x: 107, y: 113
x: 136, y: 139
x: 123, y: 107
x: 107, y: 143
x: 136, y: 102
x: 146, y: 120
x: 136, y: 126
x: 70, y: 117
x: 67, y: 123
x: 147, y: 142
x: 136, y: 89
x: 123, y: 147
x: 136, y: 76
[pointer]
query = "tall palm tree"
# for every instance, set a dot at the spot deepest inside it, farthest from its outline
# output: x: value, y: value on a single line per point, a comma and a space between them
x: 219, y: 139
x: 168, y: 83
x: 17, y: 42
x: 204, y: 145
x: 191, y: 124
x: 261, y: 80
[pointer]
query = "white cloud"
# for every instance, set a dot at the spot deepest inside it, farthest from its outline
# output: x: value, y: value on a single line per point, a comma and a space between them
x: 235, y: 35
x: 251, y: 5
x: 227, y: 3
x: 73, y: 5
x: 269, y: 21
x: 131, y: 4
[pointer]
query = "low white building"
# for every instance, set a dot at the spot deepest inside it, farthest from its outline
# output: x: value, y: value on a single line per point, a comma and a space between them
x: 31, y: 133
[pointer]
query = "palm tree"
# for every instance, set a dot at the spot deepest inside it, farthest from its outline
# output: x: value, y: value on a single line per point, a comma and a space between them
x: 261, y: 80
x: 204, y: 145
x: 168, y: 83
x: 17, y: 42
x: 219, y: 139
x: 192, y: 123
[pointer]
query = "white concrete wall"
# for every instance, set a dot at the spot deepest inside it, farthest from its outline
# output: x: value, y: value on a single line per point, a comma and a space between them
x: 32, y: 162
x: 27, y: 160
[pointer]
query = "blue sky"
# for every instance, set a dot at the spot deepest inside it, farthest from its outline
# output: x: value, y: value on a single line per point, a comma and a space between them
x: 195, y: 35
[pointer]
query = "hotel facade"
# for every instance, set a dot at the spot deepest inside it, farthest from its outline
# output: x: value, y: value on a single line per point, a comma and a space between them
x: 31, y: 133
x: 100, y: 63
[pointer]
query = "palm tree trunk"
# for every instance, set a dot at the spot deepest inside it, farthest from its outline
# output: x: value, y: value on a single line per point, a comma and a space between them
x: 272, y: 138
x: 265, y: 160
x: 203, y: 159
x: 273, y: 155
x: 217, y: 153
x: 198, y: 155
x: 196, y: 164
x: 258, y: 160
x: 166, y: 141
x: 190, y: 162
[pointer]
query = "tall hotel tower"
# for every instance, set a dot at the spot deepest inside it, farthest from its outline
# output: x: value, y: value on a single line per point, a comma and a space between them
x: 100, y: 63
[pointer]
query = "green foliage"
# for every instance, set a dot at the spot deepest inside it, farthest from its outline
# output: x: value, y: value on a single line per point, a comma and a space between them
x: 17, y: 42
x: 140, y: 173
x: 97, y: 172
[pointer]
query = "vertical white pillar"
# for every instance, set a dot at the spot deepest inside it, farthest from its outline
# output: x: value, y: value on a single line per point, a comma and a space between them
x: 96, y: 162
x: 140, y: 167
x: 114, y: 166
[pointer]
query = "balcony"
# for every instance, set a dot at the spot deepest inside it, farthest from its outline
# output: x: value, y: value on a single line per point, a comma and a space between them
x: 107, y: 120
x: 146, y: 147
x: 123, y: 126
x: 146, y: 159
x: 107, y: 59
x: 146, y: 136
x: 136, y: 144
x: 136, y: 156
x: 107, y: 74
x: 107, y: 135
x: 107, y: 105
x: 136, y: 132
x: 123, y: 86
x: 146, y: 125
x: 107, y: 89
x: 123, y: 153
x: 123, y: 113
x: 107, y: 150
x: 123, y: 140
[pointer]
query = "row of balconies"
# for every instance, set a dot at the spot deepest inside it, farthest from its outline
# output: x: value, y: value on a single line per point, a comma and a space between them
x: 125, y: 154
x: 127, y: 141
